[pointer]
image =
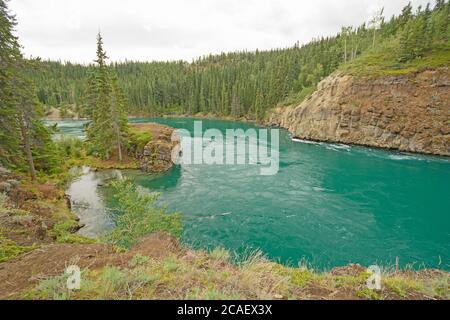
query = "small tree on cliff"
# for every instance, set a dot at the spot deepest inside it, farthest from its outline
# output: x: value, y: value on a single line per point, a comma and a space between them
x: 109, y: 126
x: 345, y: 33
x: 375, y: 24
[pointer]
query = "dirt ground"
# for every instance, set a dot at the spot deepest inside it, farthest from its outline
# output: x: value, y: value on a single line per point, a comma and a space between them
x: 27, y: 270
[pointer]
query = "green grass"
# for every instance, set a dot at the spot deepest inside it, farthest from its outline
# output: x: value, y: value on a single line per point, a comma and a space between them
x: 369, y: 294
x: 384, y: 61
x: 297, y: 98
x: 74, y: 239
x: 300, y: 277
x: 64, y: 233
x: 10, y: 250
x: 201, y: 275
x: 139, y: 138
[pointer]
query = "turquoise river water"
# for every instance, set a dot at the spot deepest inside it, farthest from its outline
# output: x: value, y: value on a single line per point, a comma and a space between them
x: 329, y: 204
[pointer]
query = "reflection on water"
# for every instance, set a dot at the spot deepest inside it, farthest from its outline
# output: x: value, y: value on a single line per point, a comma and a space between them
x: 88, y: 203
x: 156, y: 182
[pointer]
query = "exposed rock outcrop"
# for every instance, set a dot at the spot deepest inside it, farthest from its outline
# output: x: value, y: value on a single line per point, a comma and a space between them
x: 405, y: 112
x: 156, y: 156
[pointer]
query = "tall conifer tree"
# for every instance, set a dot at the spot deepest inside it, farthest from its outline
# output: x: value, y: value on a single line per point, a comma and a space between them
x: 24, y: 141
x: 107, y: 132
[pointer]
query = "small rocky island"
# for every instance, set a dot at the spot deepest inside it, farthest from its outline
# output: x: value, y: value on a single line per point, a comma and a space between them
x: 154, y: 155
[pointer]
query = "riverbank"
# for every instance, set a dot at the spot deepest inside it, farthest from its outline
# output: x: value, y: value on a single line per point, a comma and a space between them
x: 149, y: 149
x: 38, y: 241
x: 158, y: 267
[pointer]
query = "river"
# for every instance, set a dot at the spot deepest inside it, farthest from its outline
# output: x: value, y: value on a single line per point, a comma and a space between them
x: 328, y: 205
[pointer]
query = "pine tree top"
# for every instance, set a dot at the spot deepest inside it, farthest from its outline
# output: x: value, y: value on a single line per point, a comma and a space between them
x: 101, y: 54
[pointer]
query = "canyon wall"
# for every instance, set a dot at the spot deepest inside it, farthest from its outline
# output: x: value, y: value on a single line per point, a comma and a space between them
x: 406, y: 112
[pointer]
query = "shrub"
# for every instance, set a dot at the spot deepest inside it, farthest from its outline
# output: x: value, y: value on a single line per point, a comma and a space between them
x: 113, y: 281
x: 64, y: 233
x: 139, y: 216
x: 70, y: 147
x: 220, y: 254
x: 139, y: 139
x: 53, y: 288
x: 138, y: 260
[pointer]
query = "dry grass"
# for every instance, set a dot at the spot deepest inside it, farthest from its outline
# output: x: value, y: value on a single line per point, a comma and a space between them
x: 189, y: 274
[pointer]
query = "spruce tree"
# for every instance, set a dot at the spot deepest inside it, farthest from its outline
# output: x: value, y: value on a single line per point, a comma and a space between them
x: 9, y: 55
x: 118, y: 117
x: 108, y: 129
x: 24, y: 141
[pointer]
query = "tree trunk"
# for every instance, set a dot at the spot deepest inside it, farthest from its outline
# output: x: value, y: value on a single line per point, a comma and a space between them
x: 119, y: 144
x: 345, y: 51
x: 374, y: 35
x: 27, y: 147
x: 116, y: 120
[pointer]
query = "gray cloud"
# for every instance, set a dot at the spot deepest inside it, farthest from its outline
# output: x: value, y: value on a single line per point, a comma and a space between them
x: 177, y: 29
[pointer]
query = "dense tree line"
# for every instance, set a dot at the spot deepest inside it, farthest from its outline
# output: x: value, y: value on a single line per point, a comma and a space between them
x: 25, y: 143
x: 420, y: 31
x: 247, y: 83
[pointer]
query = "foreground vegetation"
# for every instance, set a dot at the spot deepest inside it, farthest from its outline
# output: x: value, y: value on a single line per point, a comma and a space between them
x: 139, y: 216
x: 33, y: 215
x: 181, y: 273
x: 137, y: 261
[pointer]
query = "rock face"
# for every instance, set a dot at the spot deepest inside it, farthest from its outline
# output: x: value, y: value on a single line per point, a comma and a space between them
x: 156, y: 156
x: 405, y: 112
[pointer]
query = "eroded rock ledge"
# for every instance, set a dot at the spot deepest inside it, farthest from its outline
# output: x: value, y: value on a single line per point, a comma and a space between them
x: 156, y: 155
x: 405, y: 112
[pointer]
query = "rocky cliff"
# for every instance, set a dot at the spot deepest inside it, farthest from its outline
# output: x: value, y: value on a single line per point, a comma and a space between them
x: 405, y: 112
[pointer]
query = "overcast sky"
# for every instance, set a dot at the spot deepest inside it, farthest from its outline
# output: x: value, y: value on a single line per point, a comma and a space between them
x: 181, y: 29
